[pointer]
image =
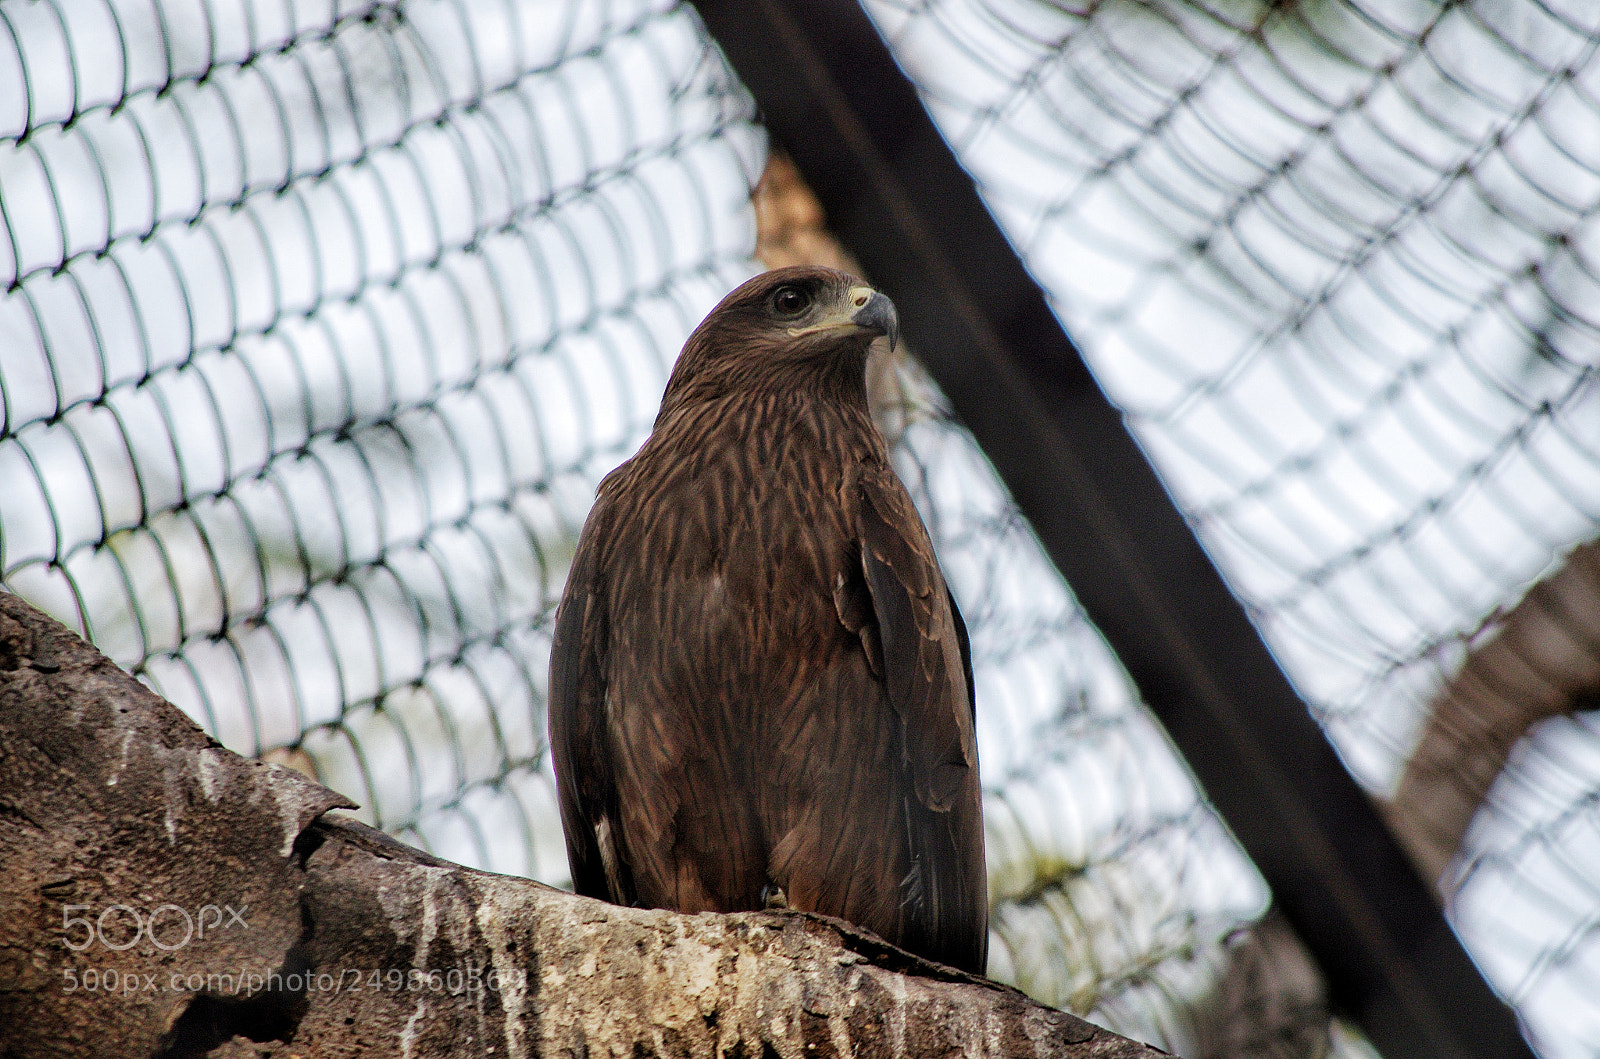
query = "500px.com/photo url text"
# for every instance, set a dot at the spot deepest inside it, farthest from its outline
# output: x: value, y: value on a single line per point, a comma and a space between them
x: 470, y: 981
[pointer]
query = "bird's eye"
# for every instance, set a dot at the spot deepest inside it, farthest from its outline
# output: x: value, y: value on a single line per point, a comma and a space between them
x: 790, y: 300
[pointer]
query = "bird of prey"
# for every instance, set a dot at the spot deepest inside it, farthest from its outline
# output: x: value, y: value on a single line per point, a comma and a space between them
x: 760, y: 686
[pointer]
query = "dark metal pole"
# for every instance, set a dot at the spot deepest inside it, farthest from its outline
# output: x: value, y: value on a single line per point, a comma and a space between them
x: 832, y: 96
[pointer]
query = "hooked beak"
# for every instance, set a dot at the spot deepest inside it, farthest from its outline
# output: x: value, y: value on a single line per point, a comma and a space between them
x: 866, y: 309
x: 875, y: 312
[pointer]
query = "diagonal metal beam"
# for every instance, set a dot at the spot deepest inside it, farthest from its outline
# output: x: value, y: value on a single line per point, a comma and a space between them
x: 833, y: 97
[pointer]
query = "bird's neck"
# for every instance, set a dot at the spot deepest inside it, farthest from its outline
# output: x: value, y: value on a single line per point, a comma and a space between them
x: 769, y: 420
x: 836, y: 386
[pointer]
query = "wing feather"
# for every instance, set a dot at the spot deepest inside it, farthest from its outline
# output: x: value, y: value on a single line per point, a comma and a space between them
x: 927, y: 669
x: 579, y: 740
x: 920, y: 638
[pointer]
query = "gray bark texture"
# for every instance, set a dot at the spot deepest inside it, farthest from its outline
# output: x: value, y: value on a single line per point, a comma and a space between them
x: 161, y: 896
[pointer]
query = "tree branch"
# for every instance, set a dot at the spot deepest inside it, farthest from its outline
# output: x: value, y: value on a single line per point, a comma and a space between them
x: 1543, y: 661
x: 163, y: 896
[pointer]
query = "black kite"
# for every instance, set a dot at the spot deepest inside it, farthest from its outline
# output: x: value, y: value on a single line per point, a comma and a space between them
x: 760, y: 687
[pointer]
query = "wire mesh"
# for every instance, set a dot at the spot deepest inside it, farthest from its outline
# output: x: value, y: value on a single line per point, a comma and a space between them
x: 1116, y: 893
x: 1114, y: 888
x: 321, y: 322
x: 1335, y: 259
x: 320, y: 325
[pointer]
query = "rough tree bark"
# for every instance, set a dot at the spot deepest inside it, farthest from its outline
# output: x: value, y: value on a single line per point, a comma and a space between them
x: 160, y: 895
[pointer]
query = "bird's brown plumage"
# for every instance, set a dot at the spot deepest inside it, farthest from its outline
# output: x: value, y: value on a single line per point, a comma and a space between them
x: 759, y: 679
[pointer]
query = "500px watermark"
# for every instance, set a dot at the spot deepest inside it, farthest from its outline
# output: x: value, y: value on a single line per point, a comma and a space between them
x: 168, y: 927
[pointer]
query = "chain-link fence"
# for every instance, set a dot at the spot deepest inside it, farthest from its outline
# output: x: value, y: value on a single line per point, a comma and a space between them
x: 1337, y: 261
x: 321, y: 324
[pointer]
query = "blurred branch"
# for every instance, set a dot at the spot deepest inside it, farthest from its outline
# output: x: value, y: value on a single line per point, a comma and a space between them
x: 1269, y: 1002
x: 1543, y: 662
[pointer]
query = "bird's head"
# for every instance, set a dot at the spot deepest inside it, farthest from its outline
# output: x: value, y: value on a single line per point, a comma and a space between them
x: 786, y: 326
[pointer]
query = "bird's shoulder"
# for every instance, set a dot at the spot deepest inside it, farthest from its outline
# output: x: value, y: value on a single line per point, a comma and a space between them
x: 771, y: 450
